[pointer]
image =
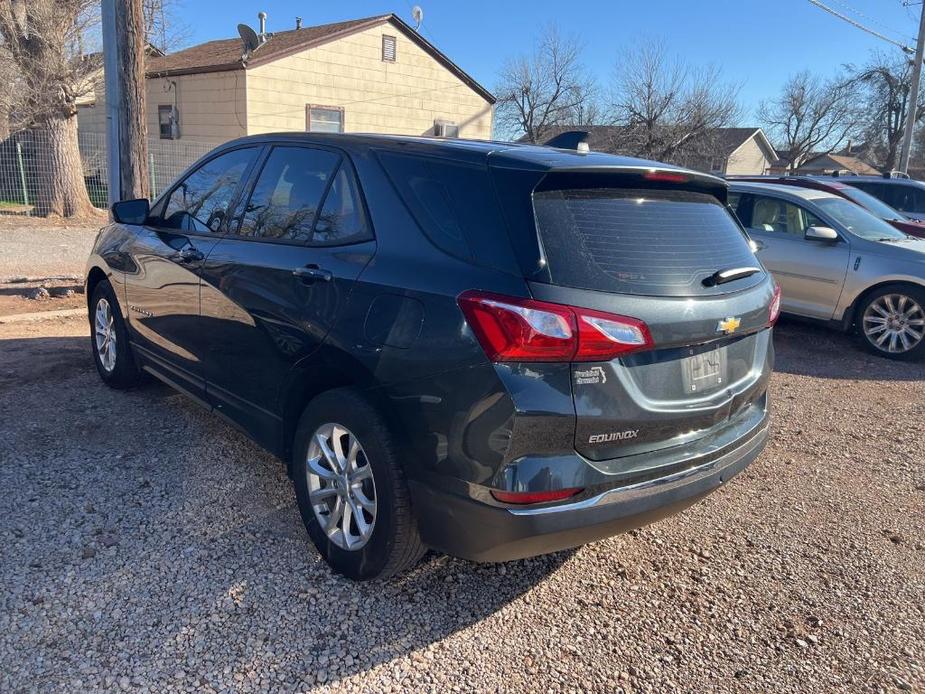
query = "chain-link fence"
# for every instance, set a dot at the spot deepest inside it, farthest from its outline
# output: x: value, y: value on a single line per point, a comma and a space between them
x: 22, y: 181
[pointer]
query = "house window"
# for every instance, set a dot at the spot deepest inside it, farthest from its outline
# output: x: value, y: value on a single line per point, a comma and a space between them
x: 444, y: 128
x: 324, y: 119
x: 388, y: 48
x: 165, y: 119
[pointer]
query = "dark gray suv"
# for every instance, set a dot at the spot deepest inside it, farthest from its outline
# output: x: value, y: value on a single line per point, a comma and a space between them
x: 487, y: 349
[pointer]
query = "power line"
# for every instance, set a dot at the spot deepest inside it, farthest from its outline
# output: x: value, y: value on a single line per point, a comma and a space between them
x: 860, y: 26
x: 872, y: 20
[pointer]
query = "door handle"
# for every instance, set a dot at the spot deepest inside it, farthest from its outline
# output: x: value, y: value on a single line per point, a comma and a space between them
x: 312, y: 273
x: 190, y: 255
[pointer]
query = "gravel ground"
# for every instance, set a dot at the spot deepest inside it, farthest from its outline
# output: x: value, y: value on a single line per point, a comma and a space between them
x: 36, y: 248
x: 146, y: 545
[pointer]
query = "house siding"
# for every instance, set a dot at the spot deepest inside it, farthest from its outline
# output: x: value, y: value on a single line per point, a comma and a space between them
x: 403, y: 97
x: 212, y: 106
x: 749, y: 159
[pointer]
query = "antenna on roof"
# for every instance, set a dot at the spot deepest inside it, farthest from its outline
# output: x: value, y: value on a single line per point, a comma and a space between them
x: 250, y: 39
x: 417, y: 14
x: 570, y: 139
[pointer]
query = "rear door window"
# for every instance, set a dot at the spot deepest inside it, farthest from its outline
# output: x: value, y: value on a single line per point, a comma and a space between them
x: 342, y: 219
x: 285, y: 201
x: 640, y: 241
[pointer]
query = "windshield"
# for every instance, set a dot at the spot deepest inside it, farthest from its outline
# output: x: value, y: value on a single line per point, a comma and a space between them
x: 858, y: 220
x: 872, y: 204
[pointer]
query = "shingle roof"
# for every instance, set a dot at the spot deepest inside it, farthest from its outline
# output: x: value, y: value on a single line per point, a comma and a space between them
x: 225, y: 54
x: 844, y: 161
x: 602, y: 137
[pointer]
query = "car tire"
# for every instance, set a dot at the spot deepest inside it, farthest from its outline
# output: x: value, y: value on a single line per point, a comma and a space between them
x: 112, y: 353
x: 366, y: 483
x: 890, y: 322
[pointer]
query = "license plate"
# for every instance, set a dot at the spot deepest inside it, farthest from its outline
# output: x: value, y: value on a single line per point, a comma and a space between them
x: 705, y: 371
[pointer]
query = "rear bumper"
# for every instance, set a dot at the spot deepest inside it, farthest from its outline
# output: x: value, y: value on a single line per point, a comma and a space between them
x: 477, y: 531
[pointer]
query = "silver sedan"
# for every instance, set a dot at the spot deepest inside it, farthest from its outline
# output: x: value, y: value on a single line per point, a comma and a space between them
x: 837, y: 262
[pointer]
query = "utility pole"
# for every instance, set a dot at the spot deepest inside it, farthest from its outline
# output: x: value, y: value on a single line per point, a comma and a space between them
x: 913, y: 102
x: 113, y: 98
x: 124, y: 72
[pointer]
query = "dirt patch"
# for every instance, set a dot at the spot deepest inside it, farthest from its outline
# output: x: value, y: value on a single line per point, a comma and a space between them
x: 32, y: 297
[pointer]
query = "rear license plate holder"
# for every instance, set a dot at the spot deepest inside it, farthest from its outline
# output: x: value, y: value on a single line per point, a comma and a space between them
x: 705, y: 371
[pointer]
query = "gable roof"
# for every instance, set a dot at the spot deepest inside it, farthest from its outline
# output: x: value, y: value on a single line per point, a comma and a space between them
x: 601, y: 138
x: 225, y: 54
x: 842, y: 162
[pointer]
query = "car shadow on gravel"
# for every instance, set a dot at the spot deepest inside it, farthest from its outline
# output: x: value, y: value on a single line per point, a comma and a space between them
x: 804, y: 348
x: 169, y: 546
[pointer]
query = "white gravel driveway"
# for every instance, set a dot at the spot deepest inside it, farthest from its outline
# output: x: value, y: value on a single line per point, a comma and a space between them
x: 31, y: 248
x: 146, y: 545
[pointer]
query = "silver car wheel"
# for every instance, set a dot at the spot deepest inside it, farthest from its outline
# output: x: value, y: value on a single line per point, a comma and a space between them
x: 341, y: 487
x: 894, y: 323
x: 105, y: 334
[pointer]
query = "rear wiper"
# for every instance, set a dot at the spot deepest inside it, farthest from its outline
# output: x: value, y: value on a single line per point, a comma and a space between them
x: 729, y: 275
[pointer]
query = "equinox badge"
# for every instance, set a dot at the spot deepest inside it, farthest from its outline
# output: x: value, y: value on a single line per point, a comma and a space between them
x: 728, y: 325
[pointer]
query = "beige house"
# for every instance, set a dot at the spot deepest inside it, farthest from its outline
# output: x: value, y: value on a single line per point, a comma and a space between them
x: 742, y: 152
x: 366, y: 75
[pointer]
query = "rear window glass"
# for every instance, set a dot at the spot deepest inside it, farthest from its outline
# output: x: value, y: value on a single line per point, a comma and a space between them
x: 640, y: 241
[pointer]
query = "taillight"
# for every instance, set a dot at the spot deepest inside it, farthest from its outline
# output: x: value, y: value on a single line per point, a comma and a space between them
x: 774, y: 308
x: 534, y: 497
x: 515, y: 329
x: 604, y: 336
x: 512, y: 329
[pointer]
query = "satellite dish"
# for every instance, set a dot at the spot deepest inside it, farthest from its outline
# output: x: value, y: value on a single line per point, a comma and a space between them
x: 249, y: 37
x: 417, y: 14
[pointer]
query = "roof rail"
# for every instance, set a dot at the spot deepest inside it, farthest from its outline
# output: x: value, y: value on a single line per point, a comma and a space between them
x: 570, y: 139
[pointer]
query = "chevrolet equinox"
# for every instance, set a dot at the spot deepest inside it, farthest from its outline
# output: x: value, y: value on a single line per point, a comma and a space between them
x: 491, y: 350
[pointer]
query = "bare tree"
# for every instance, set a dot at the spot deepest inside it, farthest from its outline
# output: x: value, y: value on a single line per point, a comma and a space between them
x: 886, y: 83
x: 163, y: 29
x: 41, y: 37
x: 668, y: 110
x: 545, y: 89
x: 811, y: 115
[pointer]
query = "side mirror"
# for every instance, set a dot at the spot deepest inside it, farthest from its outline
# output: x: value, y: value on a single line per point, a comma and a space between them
x: 821, y: 234
x: 131, y: 211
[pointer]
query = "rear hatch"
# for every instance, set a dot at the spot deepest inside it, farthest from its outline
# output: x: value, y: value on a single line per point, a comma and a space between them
x: 649, y: 244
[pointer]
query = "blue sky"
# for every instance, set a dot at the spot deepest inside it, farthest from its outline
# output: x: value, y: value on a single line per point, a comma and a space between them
x: 757, y: 43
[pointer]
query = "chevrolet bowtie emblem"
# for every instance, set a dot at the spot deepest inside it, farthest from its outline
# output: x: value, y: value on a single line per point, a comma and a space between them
x: 728, y: 325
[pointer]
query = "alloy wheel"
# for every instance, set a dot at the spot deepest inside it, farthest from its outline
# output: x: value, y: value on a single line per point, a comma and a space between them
x: 894, y: 323
x: 341, y: 487
x: 105, y: 334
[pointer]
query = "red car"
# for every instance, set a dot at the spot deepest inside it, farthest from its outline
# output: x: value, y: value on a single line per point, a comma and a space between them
x: 873, y: 205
